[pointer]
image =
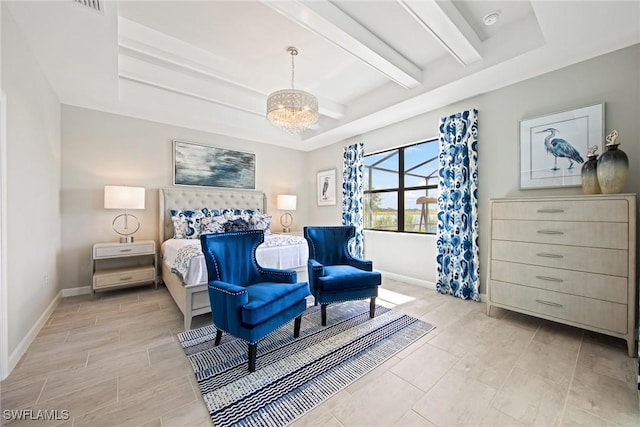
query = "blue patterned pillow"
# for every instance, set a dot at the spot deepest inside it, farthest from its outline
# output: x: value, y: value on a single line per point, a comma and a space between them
x: 260, y: 222
x: 232, y: 212
x: 213, y: 224
x: 187, y: 224
x: 236, y: 224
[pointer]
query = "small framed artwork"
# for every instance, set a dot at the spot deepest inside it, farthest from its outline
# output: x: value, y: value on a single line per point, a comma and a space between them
x: 327, y: 187
x: 554, y: 147
x: 207, y: 166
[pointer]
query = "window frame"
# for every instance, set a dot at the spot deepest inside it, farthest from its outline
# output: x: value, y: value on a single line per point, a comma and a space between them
x: 401, y: 189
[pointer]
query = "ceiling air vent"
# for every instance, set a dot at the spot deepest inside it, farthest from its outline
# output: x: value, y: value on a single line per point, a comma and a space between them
x: 91, y: 4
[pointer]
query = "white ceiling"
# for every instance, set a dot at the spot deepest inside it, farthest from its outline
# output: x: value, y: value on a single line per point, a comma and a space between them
x: 209, y: 65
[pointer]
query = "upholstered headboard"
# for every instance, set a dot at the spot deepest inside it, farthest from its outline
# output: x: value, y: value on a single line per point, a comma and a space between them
x: 197, y: 198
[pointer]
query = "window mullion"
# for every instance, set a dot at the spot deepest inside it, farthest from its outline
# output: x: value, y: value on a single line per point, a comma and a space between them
x: 400, y: 189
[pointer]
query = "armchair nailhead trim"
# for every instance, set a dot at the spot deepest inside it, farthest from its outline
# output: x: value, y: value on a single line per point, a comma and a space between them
x: 224, y: 291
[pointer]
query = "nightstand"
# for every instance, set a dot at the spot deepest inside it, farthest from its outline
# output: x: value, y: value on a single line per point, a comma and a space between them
x: 119, y: 265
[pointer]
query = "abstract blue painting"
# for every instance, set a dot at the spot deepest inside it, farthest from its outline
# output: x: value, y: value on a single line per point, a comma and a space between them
x: 207, y: 166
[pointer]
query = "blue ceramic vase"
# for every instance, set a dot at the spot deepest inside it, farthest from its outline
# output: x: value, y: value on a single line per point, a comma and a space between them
x: 612, y: 170
x: 589, y: 175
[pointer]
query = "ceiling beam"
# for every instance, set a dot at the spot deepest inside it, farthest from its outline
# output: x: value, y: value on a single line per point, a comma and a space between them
x: 149, y: 56
x: 443, y: 20
x: 335, y: 26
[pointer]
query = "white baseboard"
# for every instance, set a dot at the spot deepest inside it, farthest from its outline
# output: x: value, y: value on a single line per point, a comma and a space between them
x: 409, y: 280
x: 418, y: 282
x: 22, y: 348
x: 72, y: 292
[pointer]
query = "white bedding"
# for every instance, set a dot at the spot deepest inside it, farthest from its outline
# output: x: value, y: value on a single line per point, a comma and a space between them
x: 278, y: 251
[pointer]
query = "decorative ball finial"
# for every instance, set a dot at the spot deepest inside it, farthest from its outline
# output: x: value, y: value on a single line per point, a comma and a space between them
x: 611, y: 138
x: 592, y: 151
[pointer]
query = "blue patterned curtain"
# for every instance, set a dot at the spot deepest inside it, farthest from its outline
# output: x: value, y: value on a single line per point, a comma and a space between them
x: 458, y: 250
x: 352, y: 194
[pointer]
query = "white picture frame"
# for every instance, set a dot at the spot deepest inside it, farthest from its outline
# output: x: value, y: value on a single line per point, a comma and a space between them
x: 326, y: 187
x: 554, y: 147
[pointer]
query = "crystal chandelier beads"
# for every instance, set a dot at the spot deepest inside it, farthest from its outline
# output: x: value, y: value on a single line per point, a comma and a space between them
x: 292, y: 110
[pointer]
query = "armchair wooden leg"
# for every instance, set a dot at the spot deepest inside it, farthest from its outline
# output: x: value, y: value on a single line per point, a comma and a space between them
x: 315, y: 301
x: 218, y: 336
x: 323, y: 314
x: 372, y: 308
x: 296, y: 326
x: 253, y: 351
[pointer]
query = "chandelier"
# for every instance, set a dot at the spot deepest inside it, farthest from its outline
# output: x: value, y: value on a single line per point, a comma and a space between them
x: 292, y: 110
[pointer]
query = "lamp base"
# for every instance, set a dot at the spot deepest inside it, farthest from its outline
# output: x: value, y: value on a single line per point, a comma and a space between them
x: 126, y: 239
x: 286, y: 229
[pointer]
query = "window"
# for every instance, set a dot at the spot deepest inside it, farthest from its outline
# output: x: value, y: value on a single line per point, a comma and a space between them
x: 400, y: 189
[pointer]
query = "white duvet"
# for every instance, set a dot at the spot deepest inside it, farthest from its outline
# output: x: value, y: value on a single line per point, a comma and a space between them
x: 185, y: 257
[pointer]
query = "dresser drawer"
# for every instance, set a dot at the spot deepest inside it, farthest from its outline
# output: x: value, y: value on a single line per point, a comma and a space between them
x: 563, y: 210
x: 125, y: 276
x: 614, y: 235
x: 598, y: 286
x: 117, y: 250
x: 586, y: 311
x: 593, y: 260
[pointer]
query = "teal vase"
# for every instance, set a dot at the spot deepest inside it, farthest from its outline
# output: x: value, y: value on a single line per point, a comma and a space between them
x: 589, y: 176
x: 612, y: 170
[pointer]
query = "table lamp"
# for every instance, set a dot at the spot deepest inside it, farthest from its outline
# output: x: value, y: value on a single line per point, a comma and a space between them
x: 121, y: 197
x: 286, y: 202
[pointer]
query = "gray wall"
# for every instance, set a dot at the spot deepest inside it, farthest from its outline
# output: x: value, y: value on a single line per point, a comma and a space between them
x: 33, y: 184
x: 101, y: 149
x: 612, y: 79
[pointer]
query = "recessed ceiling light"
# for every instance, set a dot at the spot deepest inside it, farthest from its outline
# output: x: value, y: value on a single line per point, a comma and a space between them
x: 491, y: 18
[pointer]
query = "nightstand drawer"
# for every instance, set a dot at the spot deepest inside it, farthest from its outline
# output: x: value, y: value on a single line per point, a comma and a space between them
x: 118, y: 250
x: 126, y: 276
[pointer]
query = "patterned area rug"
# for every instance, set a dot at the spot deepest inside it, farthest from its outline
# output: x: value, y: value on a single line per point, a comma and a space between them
x: 294, y: 375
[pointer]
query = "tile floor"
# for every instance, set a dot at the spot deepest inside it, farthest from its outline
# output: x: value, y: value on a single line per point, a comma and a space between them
x: 113, y: 359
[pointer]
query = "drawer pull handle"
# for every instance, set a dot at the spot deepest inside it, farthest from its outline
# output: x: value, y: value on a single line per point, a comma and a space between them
x: 125, y: 250
x: 122, y: 279
x: 550, y: 232
x: 550, y: 210
x: 549, y: 279
x: 553, y: 304
x: 550, y: 255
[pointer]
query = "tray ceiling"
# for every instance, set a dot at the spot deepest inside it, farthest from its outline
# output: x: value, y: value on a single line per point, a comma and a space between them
x: 210, y: 65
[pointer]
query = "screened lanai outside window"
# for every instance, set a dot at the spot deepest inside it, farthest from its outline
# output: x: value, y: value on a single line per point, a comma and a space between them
x: 400, y: 191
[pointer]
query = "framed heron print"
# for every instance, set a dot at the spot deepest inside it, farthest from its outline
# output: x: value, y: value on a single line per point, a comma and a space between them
x: 207, y: 166
x: 327, y: 187
x: 554, y: 147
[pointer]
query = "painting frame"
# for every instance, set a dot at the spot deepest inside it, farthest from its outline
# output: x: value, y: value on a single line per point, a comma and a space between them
x: 569, y: 134
x: 326, y: 187
x: 202, y: 165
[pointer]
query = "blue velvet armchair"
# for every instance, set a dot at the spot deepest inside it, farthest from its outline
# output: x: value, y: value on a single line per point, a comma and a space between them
x: 334, y: 274
x: 248, y: 301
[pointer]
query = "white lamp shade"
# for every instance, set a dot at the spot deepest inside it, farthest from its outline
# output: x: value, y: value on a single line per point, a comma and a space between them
x: 120, y: 197
x: 286, y: 202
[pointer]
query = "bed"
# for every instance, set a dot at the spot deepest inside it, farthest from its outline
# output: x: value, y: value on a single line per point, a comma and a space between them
x: 183, y: 267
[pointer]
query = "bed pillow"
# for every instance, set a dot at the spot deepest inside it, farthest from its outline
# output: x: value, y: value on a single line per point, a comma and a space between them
x: 260, y: 222
x: 187, y: 224
x: 238, y: 223
x: 213, y: 224
x: 231, y: 213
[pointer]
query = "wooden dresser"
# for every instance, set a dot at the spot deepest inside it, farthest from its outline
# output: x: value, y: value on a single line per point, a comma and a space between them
x: 569, y: 259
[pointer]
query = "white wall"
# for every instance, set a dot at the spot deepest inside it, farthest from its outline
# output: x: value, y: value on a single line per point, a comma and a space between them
x: 611, y: 79
x: 101, y: 149
x: 33, y: 197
